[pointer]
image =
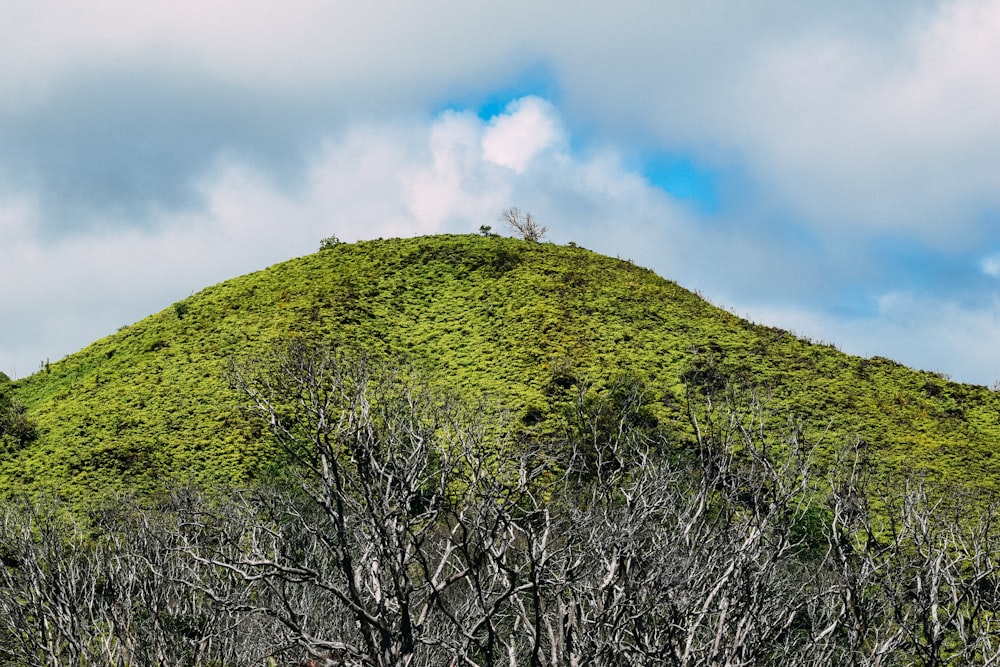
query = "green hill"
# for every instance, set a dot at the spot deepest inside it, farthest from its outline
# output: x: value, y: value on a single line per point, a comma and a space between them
x: 521, y: 322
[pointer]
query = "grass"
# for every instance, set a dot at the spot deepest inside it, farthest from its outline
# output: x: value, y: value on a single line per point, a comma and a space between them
x: 520, y: 322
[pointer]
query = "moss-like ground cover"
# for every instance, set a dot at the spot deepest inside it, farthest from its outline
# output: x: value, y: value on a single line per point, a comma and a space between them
x: 520, y: 322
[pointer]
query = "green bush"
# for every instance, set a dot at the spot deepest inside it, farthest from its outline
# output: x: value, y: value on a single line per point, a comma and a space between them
x: 16, y: 430
x: 329, y: 243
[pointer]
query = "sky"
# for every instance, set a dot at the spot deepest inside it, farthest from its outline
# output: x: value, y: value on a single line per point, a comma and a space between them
x: 828, y: 168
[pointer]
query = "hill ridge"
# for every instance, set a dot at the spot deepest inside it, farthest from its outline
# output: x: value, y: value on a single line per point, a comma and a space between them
x: 512, y: 319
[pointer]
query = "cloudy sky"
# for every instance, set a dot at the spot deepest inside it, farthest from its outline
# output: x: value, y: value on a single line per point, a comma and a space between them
x: 831, y: 168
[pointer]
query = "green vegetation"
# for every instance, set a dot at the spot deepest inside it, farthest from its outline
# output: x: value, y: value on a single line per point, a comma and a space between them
x: 528, y: 325
x: 16, y: 430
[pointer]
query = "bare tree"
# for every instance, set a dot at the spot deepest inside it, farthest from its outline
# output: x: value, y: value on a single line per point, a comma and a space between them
x: 411, y: 530
x: 407, y: 515
x: 700, y: 560
x: 523, y: 224
x: 918, y: 578
x: 115, y: 590
x: 444, y: 541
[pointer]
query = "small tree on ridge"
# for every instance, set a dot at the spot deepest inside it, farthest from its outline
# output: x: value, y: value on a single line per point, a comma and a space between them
x: 523, y: 224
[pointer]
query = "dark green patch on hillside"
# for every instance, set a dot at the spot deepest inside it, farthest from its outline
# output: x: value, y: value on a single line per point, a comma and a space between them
x: 524, y: 323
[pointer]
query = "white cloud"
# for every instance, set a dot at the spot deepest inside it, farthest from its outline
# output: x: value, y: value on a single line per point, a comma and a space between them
x: 926, y: 332
x: 855, y: 136
x: 851, y: 116
x: 372, y: 181
x: 516, y: 136
x: 991, y: 266
x: 364, y: 54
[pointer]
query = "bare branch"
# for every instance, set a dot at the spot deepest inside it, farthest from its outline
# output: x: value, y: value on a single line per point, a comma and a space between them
x: 523, y: 224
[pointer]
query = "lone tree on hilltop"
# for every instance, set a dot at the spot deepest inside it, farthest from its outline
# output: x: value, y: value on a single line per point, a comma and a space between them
x: 523, y: 224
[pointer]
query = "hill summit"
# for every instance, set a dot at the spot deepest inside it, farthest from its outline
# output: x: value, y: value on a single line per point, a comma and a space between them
x: 525, y: 324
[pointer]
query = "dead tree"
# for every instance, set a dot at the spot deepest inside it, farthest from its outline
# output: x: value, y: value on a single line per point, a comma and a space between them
x: 406, y: 518
x: 523, y: 224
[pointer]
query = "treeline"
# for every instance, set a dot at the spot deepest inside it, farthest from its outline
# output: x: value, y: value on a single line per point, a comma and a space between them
x: 407, y: 528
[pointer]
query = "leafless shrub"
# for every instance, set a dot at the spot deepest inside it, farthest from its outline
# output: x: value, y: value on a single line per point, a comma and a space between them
x: 523, y: 224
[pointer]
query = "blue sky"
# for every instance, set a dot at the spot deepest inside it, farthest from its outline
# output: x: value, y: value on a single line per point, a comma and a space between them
x: 834, y: 170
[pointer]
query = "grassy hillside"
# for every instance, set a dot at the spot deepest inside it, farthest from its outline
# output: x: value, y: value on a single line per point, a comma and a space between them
x: 514, y: 320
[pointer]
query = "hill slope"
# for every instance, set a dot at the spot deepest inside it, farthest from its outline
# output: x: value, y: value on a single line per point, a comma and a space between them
x: 515, y: 320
